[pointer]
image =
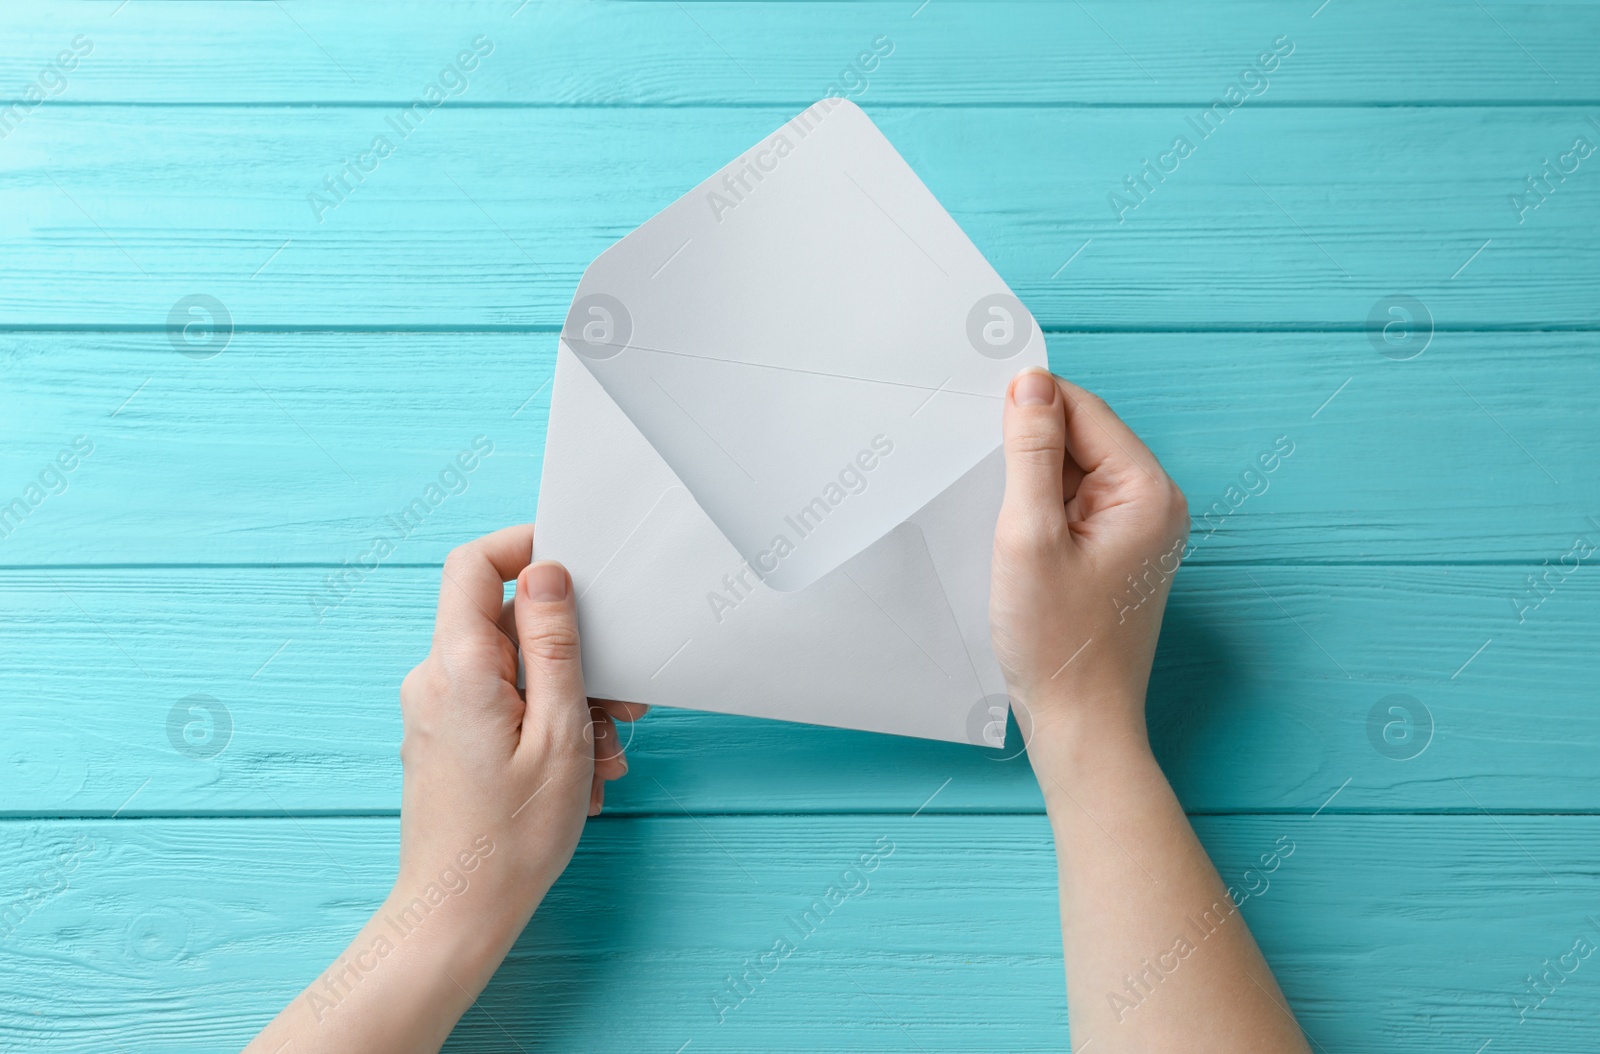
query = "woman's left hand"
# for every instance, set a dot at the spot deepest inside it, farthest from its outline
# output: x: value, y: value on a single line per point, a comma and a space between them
x: 497, y: 784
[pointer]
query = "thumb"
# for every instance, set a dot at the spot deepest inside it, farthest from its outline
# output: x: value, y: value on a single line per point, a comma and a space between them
x: 1036, y: 446
x: 547, y: 632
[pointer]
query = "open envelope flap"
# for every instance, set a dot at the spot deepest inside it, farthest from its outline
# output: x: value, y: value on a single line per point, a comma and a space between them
x: 809, y: 342
x: 893, y: 640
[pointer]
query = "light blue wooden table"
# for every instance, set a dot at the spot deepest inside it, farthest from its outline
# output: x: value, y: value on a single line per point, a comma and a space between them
x: 1383, y: 652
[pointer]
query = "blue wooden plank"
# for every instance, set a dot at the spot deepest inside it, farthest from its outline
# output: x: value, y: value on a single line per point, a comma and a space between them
x: 178, y: 936
x: 1382, y: 575
x: 302, y: 447
x: 1093, y: 53
x: 1281, y: 218
x: 1272, y: 691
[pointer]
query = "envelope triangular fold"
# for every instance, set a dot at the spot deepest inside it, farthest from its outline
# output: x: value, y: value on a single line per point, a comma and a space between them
x: 771, y: 464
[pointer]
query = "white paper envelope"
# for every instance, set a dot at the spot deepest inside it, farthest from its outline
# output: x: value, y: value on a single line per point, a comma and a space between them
x: 772, y: 464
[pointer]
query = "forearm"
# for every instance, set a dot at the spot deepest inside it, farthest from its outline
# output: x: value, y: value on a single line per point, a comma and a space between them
x: 496, y: 785
x: 401, y: 985
x: 1158, y: 958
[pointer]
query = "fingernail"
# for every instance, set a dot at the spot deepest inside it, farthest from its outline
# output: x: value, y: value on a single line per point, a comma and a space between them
x: 1033, y: 387
x: 547, y: 582
x: 594, y: 802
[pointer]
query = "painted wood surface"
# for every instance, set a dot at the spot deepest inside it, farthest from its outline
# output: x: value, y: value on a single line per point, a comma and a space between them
x: 176, y: 577
x: 1266, y: 682
x: 1387, y: 932
x: 487, y: 217
x: 297, y: 447
x: 1448, y: 52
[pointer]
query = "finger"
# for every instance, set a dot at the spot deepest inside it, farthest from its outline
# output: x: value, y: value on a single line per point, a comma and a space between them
x: 597, y: 795
x: 610, y: 762
x: 1071, y: 478
x: 547, y: 630
x: 472, y: 587
x: 616, y: 709
x: 621, y: 711
x: 1035, y: 448
x: 1096, y: 436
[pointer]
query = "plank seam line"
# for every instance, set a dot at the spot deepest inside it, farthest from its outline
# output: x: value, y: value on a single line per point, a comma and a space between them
x: 801, y: 102
x: 448, y: 328
x: 318, y: 565
x: 1468, y: 813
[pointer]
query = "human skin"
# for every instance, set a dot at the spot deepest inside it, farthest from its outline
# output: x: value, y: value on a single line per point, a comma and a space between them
x: 1089, y: 525
x: 485, y: 766
x: 498, y: 782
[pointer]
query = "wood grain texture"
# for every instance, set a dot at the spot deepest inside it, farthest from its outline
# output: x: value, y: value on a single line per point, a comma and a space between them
x: 187, y: 555
x: 177, y: 936
x: 665, y: 54
x: 1281, y: 218
x: 1266, y: 681
x: 298, y: 447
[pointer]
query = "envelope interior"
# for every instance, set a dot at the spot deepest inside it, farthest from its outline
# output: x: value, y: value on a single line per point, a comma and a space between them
x: 894, y: 639
x: 772, y: 462
x: 802, y: 357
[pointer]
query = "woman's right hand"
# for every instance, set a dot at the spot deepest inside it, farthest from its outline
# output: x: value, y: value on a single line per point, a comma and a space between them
x: 1089, y: 535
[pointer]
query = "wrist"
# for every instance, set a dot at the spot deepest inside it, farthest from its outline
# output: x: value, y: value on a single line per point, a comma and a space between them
x: 458, y: 939
x: 1087, y: 736
x: 425, y: 964
x: 1097, y: 774
x: 465, y: 916
x: 468, y: 893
